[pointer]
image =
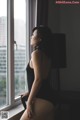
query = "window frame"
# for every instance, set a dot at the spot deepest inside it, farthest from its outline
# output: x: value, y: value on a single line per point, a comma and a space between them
x: 31, y: 12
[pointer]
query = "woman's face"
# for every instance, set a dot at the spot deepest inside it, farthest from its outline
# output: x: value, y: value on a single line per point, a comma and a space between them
x: 35, y: 38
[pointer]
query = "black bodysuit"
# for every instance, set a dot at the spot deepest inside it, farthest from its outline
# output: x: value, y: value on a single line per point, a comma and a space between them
x: 45, y: 91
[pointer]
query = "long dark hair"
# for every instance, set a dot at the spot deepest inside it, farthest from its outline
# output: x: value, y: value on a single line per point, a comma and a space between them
x: 46, y: 39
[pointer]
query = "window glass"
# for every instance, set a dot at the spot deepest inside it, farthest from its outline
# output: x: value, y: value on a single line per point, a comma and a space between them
x: 3, y: 51
x: 20, y: 46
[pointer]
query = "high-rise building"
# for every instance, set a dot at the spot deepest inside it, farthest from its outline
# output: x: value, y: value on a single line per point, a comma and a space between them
x: 3, y: 31
x: 19, y: 52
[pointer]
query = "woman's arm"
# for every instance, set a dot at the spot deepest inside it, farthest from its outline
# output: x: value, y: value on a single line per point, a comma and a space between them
x: 37, y: 66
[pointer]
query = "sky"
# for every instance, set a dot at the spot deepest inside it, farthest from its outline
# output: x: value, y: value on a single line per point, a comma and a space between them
x: 19, y: 9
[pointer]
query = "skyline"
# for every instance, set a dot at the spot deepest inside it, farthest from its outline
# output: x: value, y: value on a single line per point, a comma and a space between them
x: 19, y: 9
x: 19, y: 32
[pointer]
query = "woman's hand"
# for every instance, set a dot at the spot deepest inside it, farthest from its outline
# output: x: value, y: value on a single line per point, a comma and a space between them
x: 24, y: 94
x: 30, y: 110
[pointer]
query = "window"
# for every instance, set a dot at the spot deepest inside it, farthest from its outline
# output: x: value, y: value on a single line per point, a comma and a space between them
x: 15, y: 28
x: 20, y: 46
x: 3, y: 51
x: 10, y: 86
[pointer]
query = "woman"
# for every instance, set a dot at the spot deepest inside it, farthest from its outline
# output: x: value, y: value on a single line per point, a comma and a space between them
x: 40, y: 104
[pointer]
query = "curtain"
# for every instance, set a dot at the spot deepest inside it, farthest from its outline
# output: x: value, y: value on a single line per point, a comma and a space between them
x: 42, y: 12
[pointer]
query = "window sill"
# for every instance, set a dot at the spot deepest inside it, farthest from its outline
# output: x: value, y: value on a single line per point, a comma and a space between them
x: 15, y: 113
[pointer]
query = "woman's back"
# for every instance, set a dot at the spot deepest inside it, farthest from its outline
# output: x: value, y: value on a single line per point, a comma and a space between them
x: 45, y: 90
x: 45, y: 63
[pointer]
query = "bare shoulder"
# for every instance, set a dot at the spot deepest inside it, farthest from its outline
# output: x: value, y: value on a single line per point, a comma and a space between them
x: 37, y: 61
x: 36, y: 54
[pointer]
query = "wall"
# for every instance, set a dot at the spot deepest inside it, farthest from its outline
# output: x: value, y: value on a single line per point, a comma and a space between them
x: 66, y: 19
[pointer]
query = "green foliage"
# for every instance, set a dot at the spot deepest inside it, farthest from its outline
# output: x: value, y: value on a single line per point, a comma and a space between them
x: 3, y: 87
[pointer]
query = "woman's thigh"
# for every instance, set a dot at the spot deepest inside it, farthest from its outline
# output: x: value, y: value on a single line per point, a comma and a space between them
x: 42, y: 110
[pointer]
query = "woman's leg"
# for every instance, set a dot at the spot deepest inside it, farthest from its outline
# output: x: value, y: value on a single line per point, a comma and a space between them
x: 43, y: 110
